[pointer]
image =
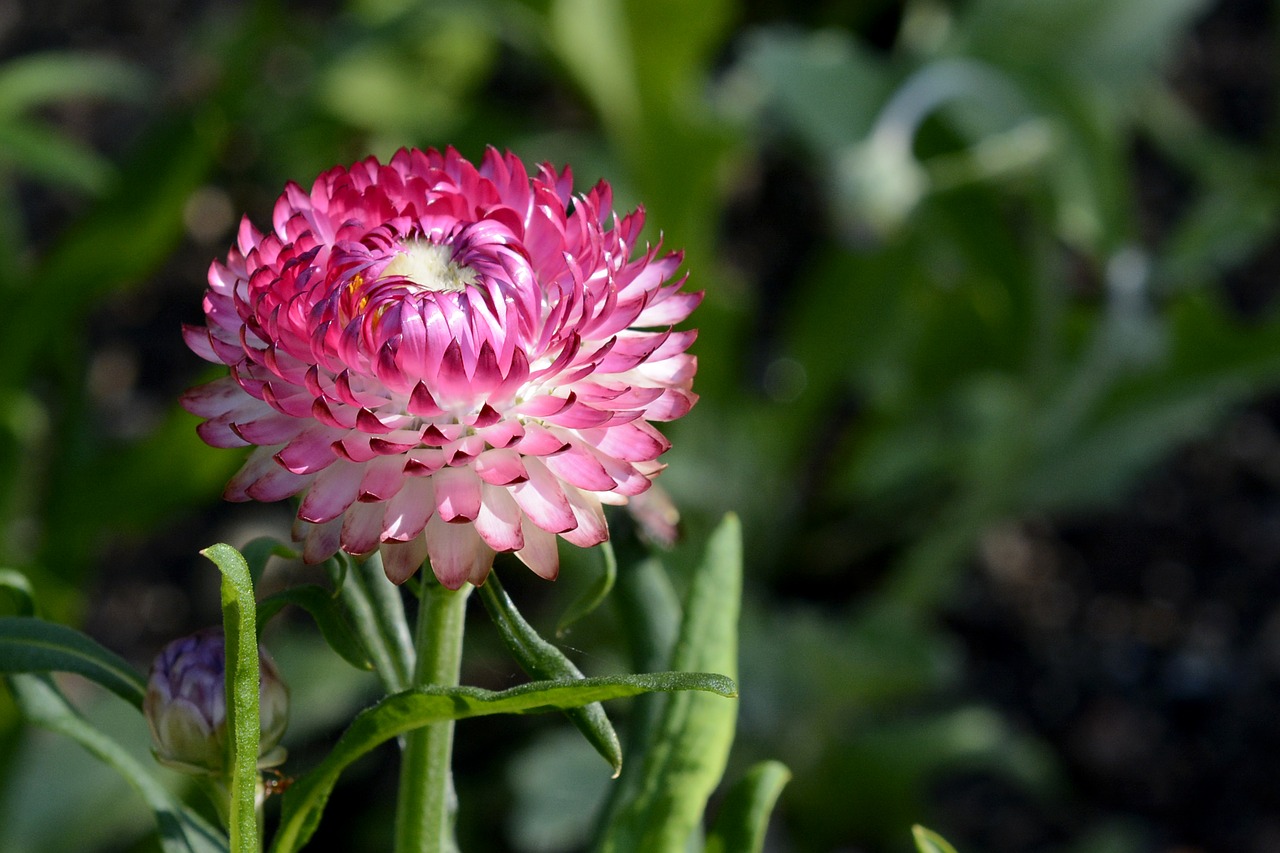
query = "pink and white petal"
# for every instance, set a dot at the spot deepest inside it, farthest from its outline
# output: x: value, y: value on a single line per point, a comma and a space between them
x: 407, y: 513
x: 499, y: 520
x: 500, y: 467
x: 311, y: 450
x: 215, y: 398
x: 457, y: 552
x: 335, y: 488
x: 383, y: 478
x: 362, y: 527
x: 540, y: 552
x: 580, y: 468
x: 592, y: 528
x: 543, y: 500
x: 457, y: 494
x: 400, y: 560
x: 322, y: 541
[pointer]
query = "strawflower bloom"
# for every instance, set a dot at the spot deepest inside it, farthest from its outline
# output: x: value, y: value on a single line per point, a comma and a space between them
x: 446, y: 361
x: 186, y: 705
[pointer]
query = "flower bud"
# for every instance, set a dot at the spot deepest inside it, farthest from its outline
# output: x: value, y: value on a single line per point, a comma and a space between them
x: 186, y: 705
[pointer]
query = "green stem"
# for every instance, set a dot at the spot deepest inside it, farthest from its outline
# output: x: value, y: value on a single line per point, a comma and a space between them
x: 427, y: 803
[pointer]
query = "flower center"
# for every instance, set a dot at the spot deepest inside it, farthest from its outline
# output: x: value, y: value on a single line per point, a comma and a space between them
x: 429, y: 266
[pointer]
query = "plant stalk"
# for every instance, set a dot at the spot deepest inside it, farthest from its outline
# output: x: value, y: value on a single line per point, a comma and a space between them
x: 427, y: 803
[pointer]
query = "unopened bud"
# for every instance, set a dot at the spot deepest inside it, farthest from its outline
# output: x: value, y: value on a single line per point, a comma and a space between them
x: 186, y: 705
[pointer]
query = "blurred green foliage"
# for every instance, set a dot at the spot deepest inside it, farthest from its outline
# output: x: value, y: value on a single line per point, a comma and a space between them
x: 936, y: 299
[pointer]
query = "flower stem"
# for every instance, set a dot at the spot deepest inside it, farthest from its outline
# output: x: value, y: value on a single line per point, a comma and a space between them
x: 427, y: 802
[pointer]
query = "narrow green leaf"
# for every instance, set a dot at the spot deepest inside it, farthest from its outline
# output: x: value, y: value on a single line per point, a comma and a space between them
x: 595, y: 594
x: 19, y: 587
x: 928, y: 841
x: 46, y: 154
x: 329, y: 618
x: 542, y: 660
x: 259, y: 551
x: 744, y: 816
x: 29, y: 645
x: 181, y: 830
x: 403, y: 712
x: 685, y: 758
x: 240, y: 628
x: 377, y: 615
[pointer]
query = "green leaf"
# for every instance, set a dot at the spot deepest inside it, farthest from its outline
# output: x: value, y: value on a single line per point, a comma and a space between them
x: 19, y: 587
x: 181, y: 830
x: 329, y: 618
x: 29, y: 645
x: 595, y: 594
x: 48, y: 155
x: 403, y: 712
x: 45, y: 78
x: 240, y: 628
x: 377, y: 615
x: 259, y: 551
x: 684, y: 759
x: 542, y: 660
x: 928, y: 841
x: 744, y: 816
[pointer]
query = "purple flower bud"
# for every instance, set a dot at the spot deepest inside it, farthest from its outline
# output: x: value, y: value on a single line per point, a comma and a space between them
x: 186, y: 705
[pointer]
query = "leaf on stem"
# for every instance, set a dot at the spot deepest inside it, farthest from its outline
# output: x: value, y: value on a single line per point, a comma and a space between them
x: 744, y: 816
x: 541, y: 659
x: 685, y: 752
x: 29, y: 645
x: 595, y: 594
x: 377, y: 616
x: 403, y: 712
x: 240, y: 628
x: 328, y: 616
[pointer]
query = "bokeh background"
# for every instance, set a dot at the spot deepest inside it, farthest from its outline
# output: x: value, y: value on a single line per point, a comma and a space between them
x: 989, y: 360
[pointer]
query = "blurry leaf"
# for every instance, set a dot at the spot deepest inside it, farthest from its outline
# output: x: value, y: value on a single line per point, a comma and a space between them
x: 243, y: 687
x: 740, y: 826
x: 128, y: 233
x: 43, y: 78
x: 660, y: 805
x: 541, y: 660
x: 595, y: 594
x: 19, y: 588
x: 329, y: 618
x: 31, y: 645
x: 49, y: 156
x: 181, y: 830
x: 1115, y: 44
x: 377, y: 616
x: 821, y: 88
x: 403, y: 712
x: 928, y: 841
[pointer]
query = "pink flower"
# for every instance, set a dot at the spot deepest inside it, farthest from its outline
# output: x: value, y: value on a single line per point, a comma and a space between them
x: 446, y: 361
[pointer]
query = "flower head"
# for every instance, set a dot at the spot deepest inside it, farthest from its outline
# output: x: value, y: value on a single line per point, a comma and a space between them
x: 446, y: 360
x: 186, y: 705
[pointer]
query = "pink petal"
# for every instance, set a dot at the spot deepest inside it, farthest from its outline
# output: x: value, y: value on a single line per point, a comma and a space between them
x: 499, y: 520
x: 322, y: 541
x: 540, y: 552
x: 579, y: 467
x: 457, y: 494
x: 592, y: 528
x: 407, y: 513
x: 501, y: 467
x: 401, y: 559
x: 457, y: 552
x: 542, y: 499
x: 361, y: 528
x: 333, y: 490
